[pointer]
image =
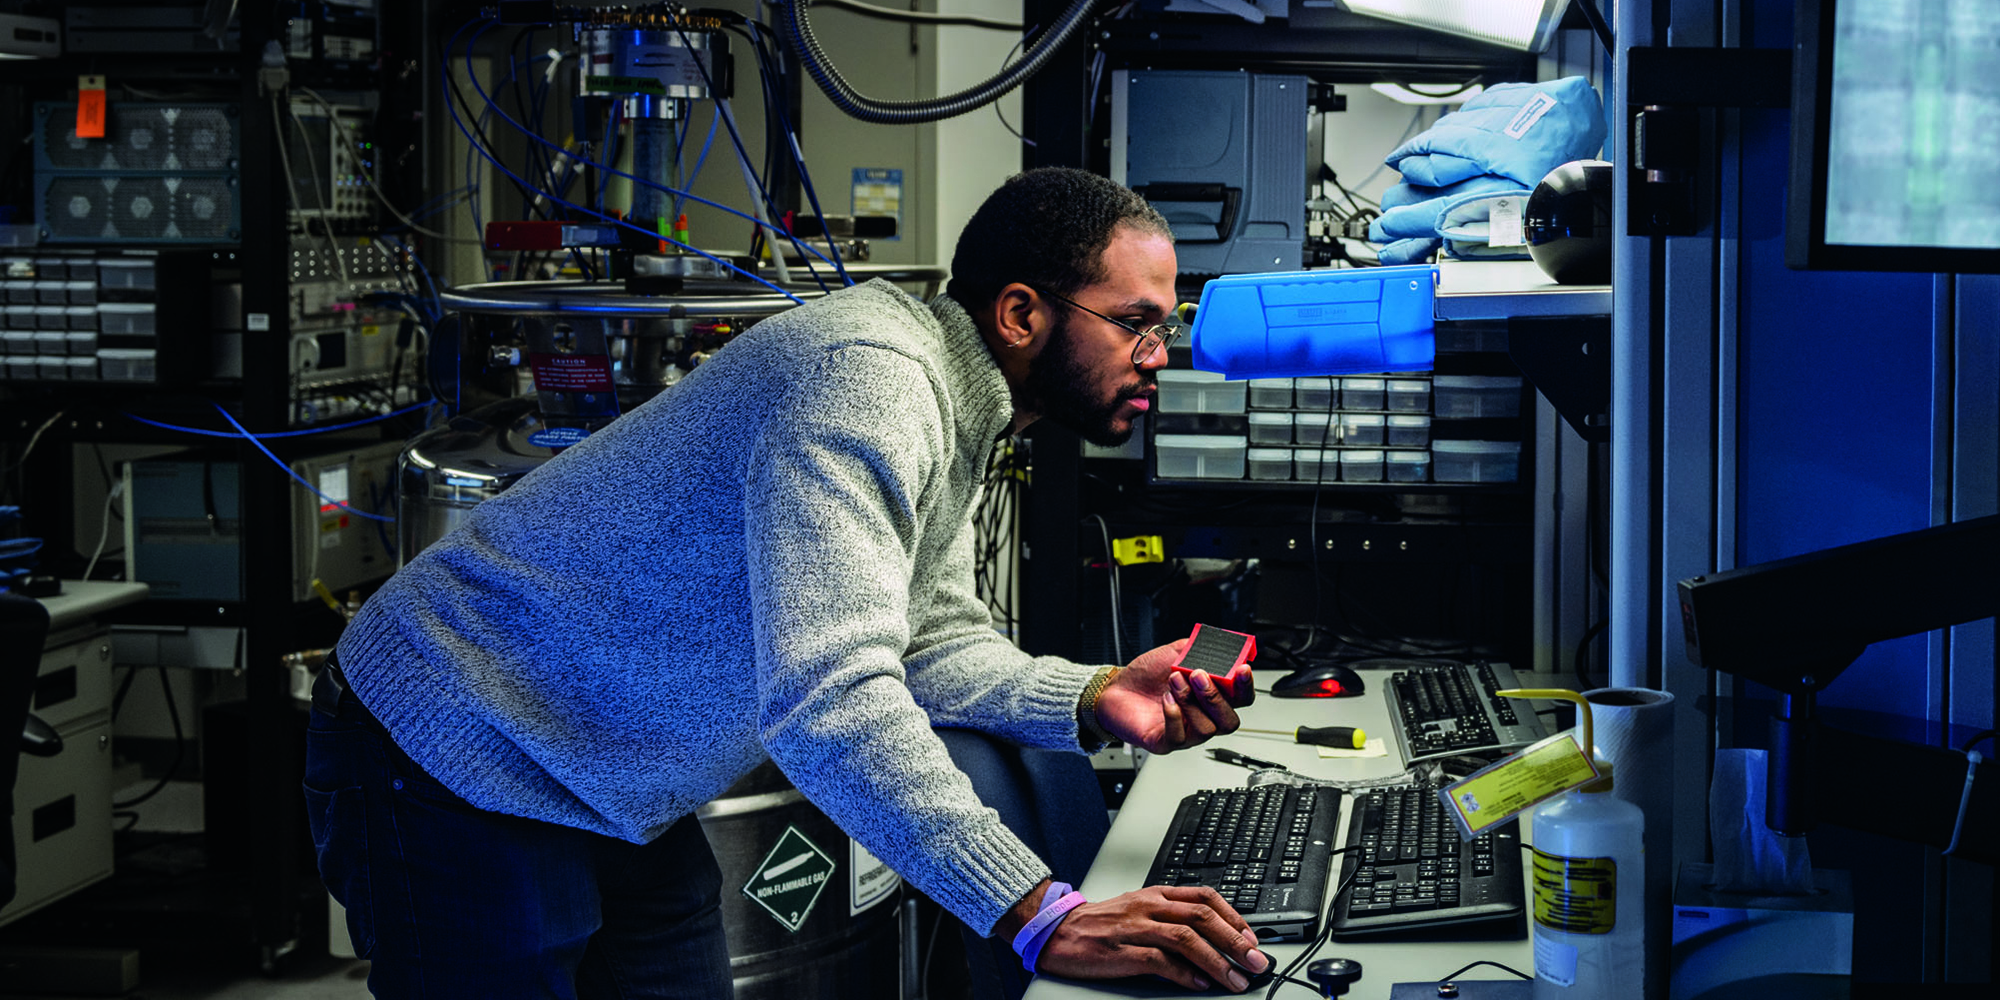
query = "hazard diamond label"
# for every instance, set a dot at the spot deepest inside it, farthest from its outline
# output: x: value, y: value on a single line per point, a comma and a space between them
x: 791, y: 878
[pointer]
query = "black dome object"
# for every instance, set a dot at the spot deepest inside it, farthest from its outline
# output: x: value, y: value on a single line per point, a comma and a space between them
x: 1568, y: 223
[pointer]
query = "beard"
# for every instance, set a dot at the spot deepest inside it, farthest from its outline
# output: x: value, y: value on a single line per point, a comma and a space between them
x: 1063, y: 386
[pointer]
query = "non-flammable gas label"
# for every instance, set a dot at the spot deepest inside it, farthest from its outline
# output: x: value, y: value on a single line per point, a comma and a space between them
x: 1578, y: 895
x: 790, y: 880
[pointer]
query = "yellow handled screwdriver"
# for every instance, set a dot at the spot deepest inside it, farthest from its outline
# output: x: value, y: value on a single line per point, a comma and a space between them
x: 1338, y: 737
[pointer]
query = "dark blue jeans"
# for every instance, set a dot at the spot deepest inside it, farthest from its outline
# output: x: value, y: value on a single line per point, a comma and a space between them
x: 448, y: 900
x: 1052, y: 802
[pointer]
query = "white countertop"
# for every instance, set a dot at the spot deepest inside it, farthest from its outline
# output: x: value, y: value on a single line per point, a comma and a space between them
x: 84, y: 599
x: 1504, y: 289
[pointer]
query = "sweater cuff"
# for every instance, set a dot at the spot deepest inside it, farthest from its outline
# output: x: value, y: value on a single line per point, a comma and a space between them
x: 989, y: 876
x: 1048, y: 706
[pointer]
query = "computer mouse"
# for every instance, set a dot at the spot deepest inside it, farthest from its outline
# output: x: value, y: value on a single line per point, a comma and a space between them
x: 1327, y: 680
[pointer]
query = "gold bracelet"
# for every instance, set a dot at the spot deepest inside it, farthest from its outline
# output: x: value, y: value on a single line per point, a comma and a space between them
x: 1090, y: 734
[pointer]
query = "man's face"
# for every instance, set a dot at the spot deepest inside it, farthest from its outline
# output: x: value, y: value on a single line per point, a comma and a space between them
x: 1084, y: 378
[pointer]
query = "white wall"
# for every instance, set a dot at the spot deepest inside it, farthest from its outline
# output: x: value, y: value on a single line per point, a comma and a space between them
x: 975, y: 151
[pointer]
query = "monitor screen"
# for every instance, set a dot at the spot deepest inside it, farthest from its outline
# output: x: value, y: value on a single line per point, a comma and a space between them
x: 1895, y: 137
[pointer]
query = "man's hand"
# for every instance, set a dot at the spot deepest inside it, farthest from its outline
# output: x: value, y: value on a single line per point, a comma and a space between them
x: 1151, y: 707
x: 1183, y: 933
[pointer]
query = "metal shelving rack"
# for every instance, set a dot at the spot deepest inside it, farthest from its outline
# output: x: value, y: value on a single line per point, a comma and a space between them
x: 264, y: 904
x: 1058, y: 106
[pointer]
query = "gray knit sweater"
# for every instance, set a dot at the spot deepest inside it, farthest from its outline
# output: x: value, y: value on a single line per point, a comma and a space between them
x: 774, y: 557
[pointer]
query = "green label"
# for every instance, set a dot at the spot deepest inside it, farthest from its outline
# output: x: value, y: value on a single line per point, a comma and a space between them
x: 623, y: 85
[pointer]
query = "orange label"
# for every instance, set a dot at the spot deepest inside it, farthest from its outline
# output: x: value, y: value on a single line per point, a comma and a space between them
x: 90, y: 107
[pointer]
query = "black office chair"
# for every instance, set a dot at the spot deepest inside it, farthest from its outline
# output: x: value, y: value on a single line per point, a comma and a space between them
x: 24, y: 627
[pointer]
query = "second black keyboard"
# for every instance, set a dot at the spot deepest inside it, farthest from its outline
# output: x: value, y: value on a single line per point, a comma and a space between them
x: 1441, y: 709
x: 1412, y: 874
x: 1266, y: 850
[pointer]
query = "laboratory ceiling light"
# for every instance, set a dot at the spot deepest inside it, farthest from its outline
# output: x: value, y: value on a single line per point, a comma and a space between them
x: 1527, y: 25
x: 1443, y: 94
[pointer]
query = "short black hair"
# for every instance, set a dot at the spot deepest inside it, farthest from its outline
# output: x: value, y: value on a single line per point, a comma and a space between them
x: 1046, y: 227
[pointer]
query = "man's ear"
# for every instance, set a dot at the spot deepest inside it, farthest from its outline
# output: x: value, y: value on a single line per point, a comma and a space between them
x: 1015, y: 323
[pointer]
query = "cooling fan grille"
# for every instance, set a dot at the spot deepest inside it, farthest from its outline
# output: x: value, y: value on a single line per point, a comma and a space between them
x: 139, y: 209
x: 162, y: 173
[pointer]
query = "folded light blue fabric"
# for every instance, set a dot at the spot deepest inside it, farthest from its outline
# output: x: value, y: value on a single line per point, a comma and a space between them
x: 1519, y: 131
x: 1416, y: 250
x: 1410, y: 210
x: 1465, y: 224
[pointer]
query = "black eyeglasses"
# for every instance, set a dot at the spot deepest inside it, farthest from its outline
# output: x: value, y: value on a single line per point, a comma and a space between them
x: 1157, y: 337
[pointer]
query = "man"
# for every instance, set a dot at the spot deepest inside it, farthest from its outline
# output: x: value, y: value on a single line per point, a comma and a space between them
x: 770, y: 560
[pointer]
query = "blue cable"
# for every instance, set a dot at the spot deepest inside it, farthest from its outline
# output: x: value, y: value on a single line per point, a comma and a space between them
x: 686, y: 125
x: 798, y: 159
x: 494, y: 109
x: 435, y: 207
x: 375, y: 498
x: 456, y: 120
x: 539, y: 162
x: 252, y: 438
x: 434, y: 204
x: 761, y: 192
x: 274, y: 434
x: 472, y: 202
x: 437, y: 306
x: 699, y: 160
x: 471, y: 181
x: 608, y: 151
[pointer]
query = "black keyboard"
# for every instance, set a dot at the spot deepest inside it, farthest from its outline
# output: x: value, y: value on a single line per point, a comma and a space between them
x: 1266, y: 850
x: 1412, y: 874
x: 1446, y: 709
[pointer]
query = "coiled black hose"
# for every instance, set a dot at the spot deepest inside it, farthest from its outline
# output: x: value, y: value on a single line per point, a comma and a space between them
x: 934, y: 109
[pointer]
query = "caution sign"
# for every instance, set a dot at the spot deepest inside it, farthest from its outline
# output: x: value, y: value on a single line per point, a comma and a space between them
x: 790, y: 880
x: 1577, y: 895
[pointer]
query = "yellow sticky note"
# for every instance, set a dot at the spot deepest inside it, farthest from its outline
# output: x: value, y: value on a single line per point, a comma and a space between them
x: 1499, y: 792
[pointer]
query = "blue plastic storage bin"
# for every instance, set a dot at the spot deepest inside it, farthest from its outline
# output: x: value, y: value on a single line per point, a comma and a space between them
x: 1350, y: 321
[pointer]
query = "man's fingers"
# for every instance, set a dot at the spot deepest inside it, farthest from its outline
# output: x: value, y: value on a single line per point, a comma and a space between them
x: 1184, y: 934
x: 1212, y: 901
x: 1199, y: 935
x: 1179, y: 948
x: 1241, y: 679
x: 1215, y: 704
x: 1195, y: 711
x: 1174, y: 724
x: 1205, y: 710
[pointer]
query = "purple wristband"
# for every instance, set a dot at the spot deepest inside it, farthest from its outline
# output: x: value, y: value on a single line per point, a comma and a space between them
x: 1054, y: 895
x: 1057, y: 891
x: 1029, y: 943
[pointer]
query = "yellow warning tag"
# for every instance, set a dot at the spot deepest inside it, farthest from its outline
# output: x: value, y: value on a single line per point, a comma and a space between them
x: 1497, y: 793
x: 1578, y: 895
x: 1138, y: 549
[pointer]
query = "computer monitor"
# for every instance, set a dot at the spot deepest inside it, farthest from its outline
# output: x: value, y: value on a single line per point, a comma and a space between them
x: 1895, y: 164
